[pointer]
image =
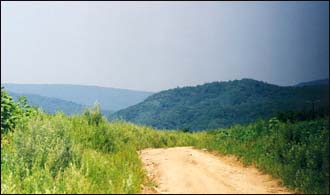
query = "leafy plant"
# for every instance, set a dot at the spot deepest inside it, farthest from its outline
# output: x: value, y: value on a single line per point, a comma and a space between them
x: 13, y: 113
x: 93, y: 115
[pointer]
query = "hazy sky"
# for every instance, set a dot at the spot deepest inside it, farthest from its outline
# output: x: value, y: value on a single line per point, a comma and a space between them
x: 160, y: 45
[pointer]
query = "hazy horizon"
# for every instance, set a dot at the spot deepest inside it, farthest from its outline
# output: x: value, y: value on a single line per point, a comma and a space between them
x: 91, y: 85
x: 154, y: 46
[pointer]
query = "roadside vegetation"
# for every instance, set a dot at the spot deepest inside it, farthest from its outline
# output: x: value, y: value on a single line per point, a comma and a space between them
x: 43, y: 153
x: 297, y: 153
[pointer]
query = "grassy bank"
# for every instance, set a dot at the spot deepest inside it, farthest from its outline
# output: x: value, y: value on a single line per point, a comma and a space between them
x: 297, y: 153
x: 61, y: 154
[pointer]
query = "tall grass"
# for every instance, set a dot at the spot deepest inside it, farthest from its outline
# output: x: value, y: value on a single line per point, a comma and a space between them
x: 61, y: 154
x: 297, y: 153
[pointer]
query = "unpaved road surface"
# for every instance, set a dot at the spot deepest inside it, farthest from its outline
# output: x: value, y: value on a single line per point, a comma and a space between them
x: 188, y: 170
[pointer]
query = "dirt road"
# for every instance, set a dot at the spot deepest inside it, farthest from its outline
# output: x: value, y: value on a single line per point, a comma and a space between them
x: 188, y: 170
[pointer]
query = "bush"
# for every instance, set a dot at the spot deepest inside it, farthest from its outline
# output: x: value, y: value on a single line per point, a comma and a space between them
x: 13, y: 113
x: 9, y: 112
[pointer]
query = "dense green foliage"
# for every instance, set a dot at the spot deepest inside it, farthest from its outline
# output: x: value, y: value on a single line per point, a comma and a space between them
x: 86, y: 154
x: 221, y: 104
x: 294, y: 116
x: 297, y: 153
x: 78, y: 154
x: 13, y: 113
x: 111, y: 99
x: 60, y: 154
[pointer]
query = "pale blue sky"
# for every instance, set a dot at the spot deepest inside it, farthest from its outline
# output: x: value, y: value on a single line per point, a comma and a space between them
x: 160, y: 45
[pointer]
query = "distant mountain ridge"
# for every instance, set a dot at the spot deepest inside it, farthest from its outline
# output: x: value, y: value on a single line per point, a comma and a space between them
x: 50, y: 105
x: 111, y: 99
x: 220, y: 104
x: 314, y: 82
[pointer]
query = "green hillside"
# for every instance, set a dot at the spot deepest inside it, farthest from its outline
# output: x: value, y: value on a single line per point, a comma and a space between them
x: 221, y: 104
x: 53, y: 105
x: 111, y: 99
x: 50, y: 105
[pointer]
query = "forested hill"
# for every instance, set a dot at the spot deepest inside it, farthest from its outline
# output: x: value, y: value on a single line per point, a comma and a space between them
x: 50, y: 105
x: 112, y: 99
x: 221, y: 104
x: 316, y: 82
